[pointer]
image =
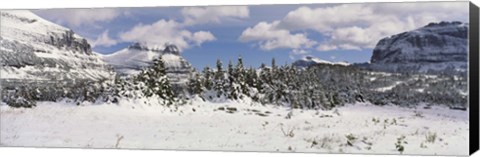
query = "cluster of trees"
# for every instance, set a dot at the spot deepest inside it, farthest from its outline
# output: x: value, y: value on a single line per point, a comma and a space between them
x: 321, y: 86
x: 318, y: 87
x: 325, y: 86
x: 449, y: 90
x: 151, y: 82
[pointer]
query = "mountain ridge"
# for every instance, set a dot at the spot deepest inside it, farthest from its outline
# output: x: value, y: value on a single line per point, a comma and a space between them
x: 435, y: 48
x: 36, y: 49
x: 308, y: 61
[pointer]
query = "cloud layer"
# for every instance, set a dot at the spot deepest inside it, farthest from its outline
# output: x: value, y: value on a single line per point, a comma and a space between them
x: 80, y: 17
x: 305, y: 29
x: 170, y: 31
x: 202, y: 15
x: 164, y: 31
x: 104, y: 40
x: 157, y: 33
x: 349, y: 26
x: 271, y: 37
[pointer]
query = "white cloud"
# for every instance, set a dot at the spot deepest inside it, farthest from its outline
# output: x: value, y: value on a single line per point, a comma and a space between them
x: 326, y: 18
x: 202, y: 15
x: 202, y: 36
x: 297, y: 52
x: 271, y: 37
x: 359, y: 26
x: 156, y: 34
x: 104, y: 40
x: 171, y: 31
x: 79, y: 17
x: 326, y: 47
x: 164, y: 31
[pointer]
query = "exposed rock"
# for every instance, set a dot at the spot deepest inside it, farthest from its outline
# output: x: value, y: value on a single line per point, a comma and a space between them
x: 437, y: 47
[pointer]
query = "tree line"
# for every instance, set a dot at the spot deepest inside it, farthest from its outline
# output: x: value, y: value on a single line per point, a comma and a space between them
x: 321, y: 86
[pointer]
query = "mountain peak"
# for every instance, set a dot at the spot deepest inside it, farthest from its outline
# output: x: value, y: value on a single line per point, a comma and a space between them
x: 172, y: 49
x: 167, y: 48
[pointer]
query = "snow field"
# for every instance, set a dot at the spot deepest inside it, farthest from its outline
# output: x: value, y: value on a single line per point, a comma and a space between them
x: 237, y: 126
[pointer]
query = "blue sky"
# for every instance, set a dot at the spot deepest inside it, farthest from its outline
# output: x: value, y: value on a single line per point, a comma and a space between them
x: 334, y: 32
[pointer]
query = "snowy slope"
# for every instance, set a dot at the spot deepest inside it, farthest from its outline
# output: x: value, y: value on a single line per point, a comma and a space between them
x: 309, y: 61
x: 32, y: 48
x: 247, y: 127
x: 131, y: 60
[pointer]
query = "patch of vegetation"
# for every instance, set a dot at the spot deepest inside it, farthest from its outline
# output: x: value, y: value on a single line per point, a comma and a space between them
x: 350, y: 139
x: 287, y: 133
x: 430, y: 137
x: 399, y: 144
x: 418, y: 114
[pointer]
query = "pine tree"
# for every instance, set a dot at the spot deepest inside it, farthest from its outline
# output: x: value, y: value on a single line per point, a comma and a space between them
x: 195, y: 84
x: 274, y: 65
x: 207, y: 81
x: 230, y: 86
x: 154, y: 78
x: 240, y: 76
x: 219, y: 81
x: 230, y: 69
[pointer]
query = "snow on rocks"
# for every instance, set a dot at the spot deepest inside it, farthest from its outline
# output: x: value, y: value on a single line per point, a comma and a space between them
x: 436, y: 47
x: 34, y: 48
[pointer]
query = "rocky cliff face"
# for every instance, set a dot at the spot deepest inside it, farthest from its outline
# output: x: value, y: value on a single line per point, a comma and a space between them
x: 437, y: 47
x: 131, y: 60
x: 32, y: 48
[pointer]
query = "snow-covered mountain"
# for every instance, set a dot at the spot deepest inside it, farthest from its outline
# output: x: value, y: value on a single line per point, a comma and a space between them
x: 32, y: 48
x: 308, y: 61
x: 436, y: 47
x: 132, y: 59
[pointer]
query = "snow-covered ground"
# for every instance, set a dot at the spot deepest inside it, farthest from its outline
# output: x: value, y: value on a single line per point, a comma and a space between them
x: 237, y: 126
x: 387, y: 88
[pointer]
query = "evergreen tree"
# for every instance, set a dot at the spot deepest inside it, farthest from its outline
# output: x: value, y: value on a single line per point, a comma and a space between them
x: 219, y: 81
x: 195, y: 84
x: 207, y: 81
x: 240, y: 76
x: 274, y: 65
x: 230, y: 88
x: 154, y: 78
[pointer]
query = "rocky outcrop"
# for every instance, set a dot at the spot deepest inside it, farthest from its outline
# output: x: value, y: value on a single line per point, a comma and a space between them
x: 436, y: 47
x: 68, y: 41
